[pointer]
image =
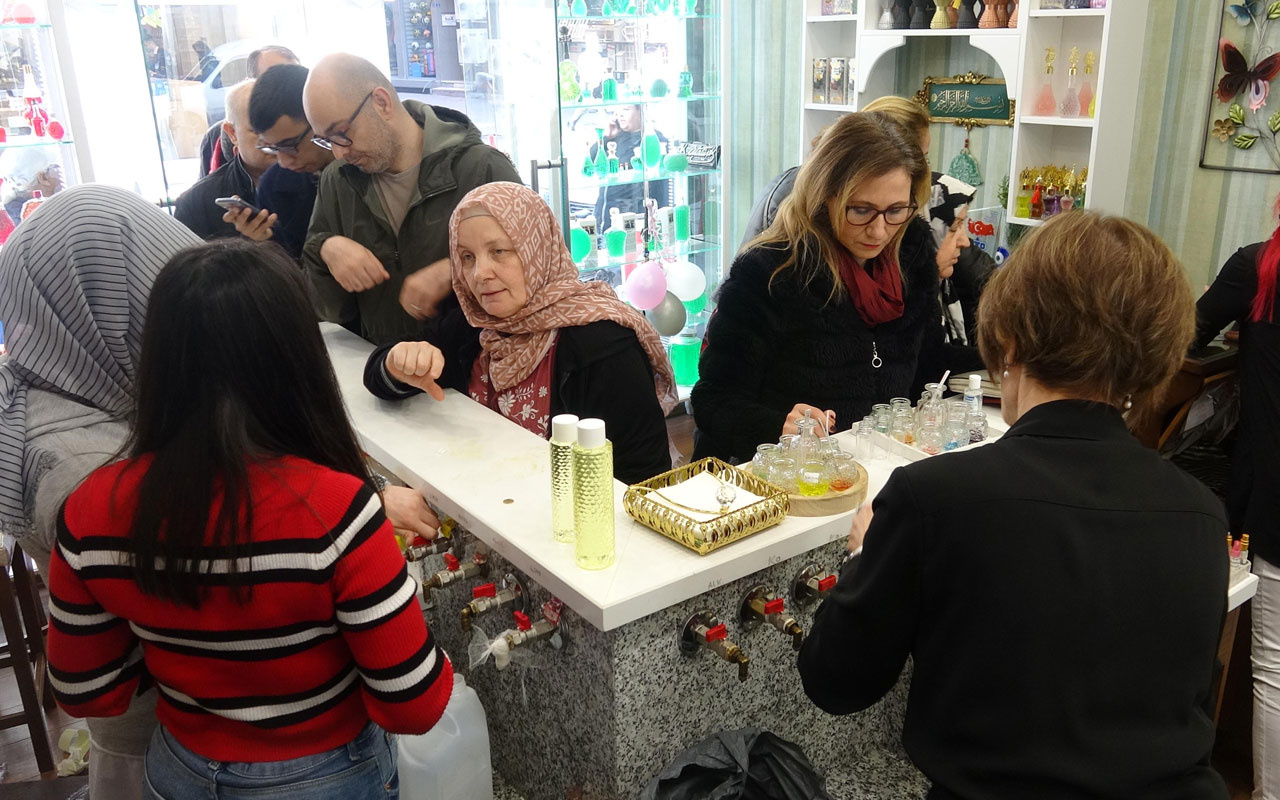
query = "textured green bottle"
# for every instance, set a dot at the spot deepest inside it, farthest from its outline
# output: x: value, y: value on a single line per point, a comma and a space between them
x: 593, y: 496
x: 564, y: 435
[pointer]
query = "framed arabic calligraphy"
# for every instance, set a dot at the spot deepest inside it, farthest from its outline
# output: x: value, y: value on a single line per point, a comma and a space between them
x: 970, y: 100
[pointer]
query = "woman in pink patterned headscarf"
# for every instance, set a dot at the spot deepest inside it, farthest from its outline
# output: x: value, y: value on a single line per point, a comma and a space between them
x: 532, y: 340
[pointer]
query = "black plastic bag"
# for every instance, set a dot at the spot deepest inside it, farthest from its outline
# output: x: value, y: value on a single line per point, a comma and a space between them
x: 747, y: 764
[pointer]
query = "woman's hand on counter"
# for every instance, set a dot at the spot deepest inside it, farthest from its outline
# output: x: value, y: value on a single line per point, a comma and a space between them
x: 858, y: 530
x: 827, y: 418
x: 409, y: 513
x: 418, y: 364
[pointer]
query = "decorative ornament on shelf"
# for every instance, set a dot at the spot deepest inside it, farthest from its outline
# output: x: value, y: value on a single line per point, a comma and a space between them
x: 1046, y: 105
x: 920, y: 15
x: 1013, y: 18
x: 1071, y: 102
x: 1002, y: 12
x: 1086, y: 86
x: 686, y: 83
x: 953, y: 12
x: 989, y: 18
x: 901, y: 14
x: 967, y: 18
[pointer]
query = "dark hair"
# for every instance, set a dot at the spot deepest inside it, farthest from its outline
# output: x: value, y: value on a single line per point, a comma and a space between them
x: 256, y: 57
x: 233, y: 371
x: 277, y: 93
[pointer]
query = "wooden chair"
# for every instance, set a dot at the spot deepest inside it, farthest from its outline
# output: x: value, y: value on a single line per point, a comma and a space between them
x: 22, y: 615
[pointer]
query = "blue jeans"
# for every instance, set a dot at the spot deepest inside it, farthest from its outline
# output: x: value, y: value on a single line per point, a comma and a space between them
x: 362, y: 769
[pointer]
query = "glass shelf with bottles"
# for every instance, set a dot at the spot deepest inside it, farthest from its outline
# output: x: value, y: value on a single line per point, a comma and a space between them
x: 632, y: 10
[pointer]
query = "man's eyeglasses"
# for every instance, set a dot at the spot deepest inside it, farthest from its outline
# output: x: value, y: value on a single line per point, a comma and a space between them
x: 342, y: 139
x: 865, y: 215
x: 288, y: 146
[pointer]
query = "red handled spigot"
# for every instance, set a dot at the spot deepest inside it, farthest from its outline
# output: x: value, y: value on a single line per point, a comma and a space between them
x: 811, y: 584
x: 488, y: 597
x: 760, y: 605
x: 704, y: 630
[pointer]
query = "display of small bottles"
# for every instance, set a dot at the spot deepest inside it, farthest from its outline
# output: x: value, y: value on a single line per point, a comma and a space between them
x: 564, y: 435
x: 593, y: 509
x: 1046, y: 105
x: 1071, y: 100
x: 806, y: 464
x: 1047, y: 191
x: 1086, y: 85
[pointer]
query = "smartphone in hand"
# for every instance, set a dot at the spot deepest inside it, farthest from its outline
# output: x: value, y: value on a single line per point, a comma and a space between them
x: 234, y: 203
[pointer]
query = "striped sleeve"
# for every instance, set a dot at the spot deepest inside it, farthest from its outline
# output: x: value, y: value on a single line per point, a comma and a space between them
x: 95, y: 661
x: 406, y: 679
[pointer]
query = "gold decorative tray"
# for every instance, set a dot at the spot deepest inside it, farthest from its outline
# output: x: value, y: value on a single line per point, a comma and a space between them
x: 703, y: 537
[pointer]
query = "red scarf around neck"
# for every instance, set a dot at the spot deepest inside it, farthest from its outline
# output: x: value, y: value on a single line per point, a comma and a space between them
x: 877, y: 296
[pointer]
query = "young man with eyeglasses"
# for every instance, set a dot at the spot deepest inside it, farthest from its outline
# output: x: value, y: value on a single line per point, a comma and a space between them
x: 287, y: 191
x: 377, y: 250
x: 239, y: 177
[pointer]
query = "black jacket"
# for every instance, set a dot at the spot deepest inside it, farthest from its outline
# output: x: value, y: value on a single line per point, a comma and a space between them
x: 1061, y: 593
x: 195, y: 208
x: 291, y: 196
x: 1253, y: 501
x: 946, y: 347
x: 770, y: 347
x: 600, y: 371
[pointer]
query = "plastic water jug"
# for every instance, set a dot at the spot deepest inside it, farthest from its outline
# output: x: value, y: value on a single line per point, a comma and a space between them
x: 450, y: 761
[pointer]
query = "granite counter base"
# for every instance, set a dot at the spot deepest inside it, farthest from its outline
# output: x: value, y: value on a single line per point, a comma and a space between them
x: 607, y: 712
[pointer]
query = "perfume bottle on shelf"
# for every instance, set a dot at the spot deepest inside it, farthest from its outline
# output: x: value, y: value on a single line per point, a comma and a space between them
x: 579, y: 8
x: 1051, y: 205
x: 989, y: 18
x: 1037, y: 200
x: 1071, y: 101
x: 613, y: 158
x: 1022, y: 205
x: 602, y: 156
x: 1086, y: 86
x: 1046, y: 105
x: 940, y: 19
x: 686, y: 83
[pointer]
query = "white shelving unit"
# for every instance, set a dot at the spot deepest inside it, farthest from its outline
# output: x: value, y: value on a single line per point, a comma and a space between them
x: 1115, y: 33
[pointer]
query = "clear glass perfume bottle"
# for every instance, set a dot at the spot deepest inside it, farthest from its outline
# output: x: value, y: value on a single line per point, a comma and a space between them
x: 564, y: 435
x: 1086, y: 85
x: 1046, y: 104
x: 1072, y: 100
x: 1022, y: 205
x: 593, y: 511
x: 613, y: 157
x: 602, y: 156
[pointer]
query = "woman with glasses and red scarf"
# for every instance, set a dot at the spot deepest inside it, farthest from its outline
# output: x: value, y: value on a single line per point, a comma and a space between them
x: 824, y: 312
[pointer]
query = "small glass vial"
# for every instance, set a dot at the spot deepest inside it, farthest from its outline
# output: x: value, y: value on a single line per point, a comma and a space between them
x: 765, y: 455
x: 782, y: 473
x: 977, y: 426
x: 900, y: 429
x: 812, y: 479
x: 881, y: 416
x: 844, y: 472
x: 564, y: 435
x: 828, y: 447
x: 956, y: 433
x: 930, y: 438
x: 806, y: 446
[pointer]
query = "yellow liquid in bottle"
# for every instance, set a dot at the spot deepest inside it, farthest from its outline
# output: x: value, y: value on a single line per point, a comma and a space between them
x: 812, y: 480
x: 593, y: 506
x: 562, y: 491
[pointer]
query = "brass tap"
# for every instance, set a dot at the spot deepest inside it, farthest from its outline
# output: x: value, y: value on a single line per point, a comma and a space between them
x: 488, y: 597
x: 527, y: 632
x: 810, y: 584
x: 454, y: 572
x: 704, y: 630
x: 761, y: 605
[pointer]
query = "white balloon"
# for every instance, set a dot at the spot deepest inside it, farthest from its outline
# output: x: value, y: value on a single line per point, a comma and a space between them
x: 685, y: 280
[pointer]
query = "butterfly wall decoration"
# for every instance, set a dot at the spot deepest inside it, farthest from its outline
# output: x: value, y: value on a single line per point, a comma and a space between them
x: 1242, y: 131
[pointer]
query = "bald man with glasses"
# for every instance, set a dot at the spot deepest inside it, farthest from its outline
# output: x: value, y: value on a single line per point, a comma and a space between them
x: 376, y: 253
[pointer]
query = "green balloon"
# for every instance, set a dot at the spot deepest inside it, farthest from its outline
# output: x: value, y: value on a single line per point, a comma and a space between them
x: 579, y: 244
x: 697, y: 304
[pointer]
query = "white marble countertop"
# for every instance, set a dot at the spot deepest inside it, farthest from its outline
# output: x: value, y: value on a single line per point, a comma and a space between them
x: 493, y: 477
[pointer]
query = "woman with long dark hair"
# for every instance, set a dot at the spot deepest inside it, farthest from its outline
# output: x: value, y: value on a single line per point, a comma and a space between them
x: 1245, y: 292
x: 239, y: 556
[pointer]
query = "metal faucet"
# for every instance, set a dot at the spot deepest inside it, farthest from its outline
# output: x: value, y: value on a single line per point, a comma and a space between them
x: 455, y: 571
x: 705, y: 630
x: 527, y: 632
x: 810, y: 584
x: 761, y: 605
x: 488, y: 597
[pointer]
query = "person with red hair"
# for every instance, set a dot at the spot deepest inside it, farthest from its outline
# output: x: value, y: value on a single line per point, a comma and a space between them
x: 1245, y: 292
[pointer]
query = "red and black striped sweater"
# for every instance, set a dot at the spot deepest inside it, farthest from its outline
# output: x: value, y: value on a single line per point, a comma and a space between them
x: 330, y: 638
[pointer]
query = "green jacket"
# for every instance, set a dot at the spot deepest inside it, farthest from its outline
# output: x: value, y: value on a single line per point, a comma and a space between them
x: 454, y: 161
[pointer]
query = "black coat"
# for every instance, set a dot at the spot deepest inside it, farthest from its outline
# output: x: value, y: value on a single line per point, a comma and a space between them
x: 600, y: 371
x: 770, y: 347
x: 1061, y: 593
x: 195, y: 207
x: 1253, y: 501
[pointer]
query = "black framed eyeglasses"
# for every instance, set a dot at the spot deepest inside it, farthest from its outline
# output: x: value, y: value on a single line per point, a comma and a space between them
x: 342, y: 139
x: 865, y: 215
x: 288, y: 146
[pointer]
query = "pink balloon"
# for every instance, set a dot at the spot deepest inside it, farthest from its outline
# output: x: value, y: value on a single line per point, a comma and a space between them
x: 646, y: 286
